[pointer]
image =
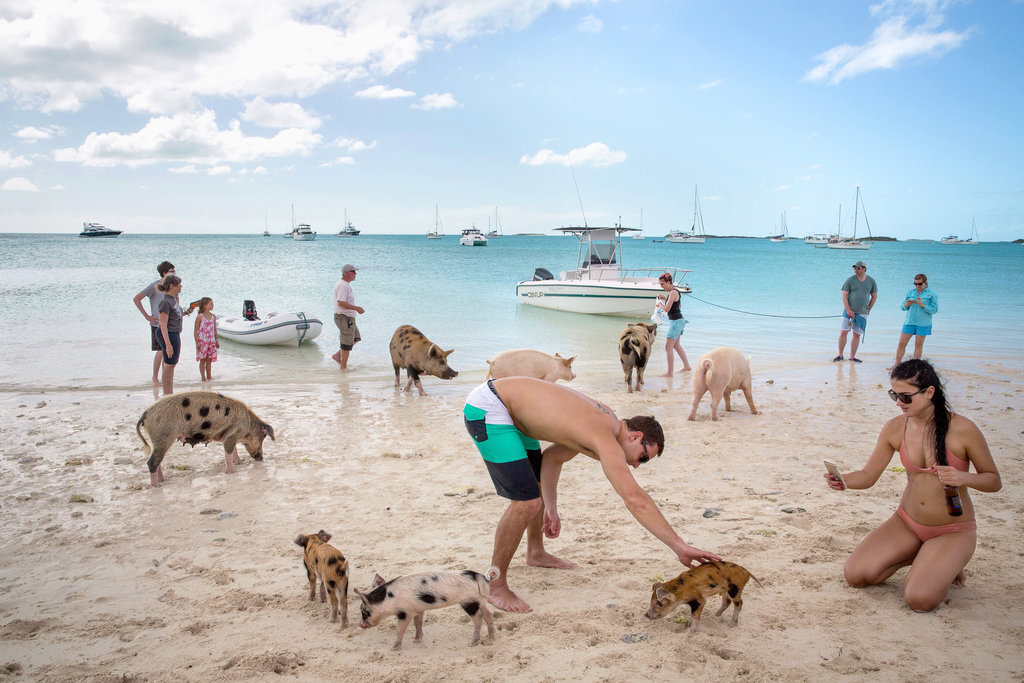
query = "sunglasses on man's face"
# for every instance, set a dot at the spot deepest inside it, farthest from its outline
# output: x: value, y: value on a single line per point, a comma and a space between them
x: 646, y: 456
x: 918, y: 284
x: 903, y: 397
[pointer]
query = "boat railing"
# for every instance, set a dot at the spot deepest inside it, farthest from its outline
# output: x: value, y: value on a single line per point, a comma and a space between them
x: 613, y: 273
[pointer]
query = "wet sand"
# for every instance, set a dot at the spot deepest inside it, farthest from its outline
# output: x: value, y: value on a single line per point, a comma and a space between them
x: 200, y: 579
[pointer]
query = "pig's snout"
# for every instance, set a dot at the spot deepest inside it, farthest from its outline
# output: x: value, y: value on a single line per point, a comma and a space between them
x: 449, y: 374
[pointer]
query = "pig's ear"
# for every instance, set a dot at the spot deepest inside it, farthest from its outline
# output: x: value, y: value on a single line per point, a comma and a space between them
x: 269, y: 431
x: 448, y: 352
x: 557, y: 354
x: 378, y: 580
x: 568, y: 361
x: 323, y: 536
x: 361, y: 596
x: 301, y: 541
x: 661, y: 594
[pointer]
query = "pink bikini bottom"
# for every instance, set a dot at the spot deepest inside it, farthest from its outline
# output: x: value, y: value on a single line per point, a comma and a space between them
x: 925, y: 532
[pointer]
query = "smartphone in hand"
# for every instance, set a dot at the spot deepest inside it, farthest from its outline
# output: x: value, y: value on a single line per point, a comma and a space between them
x: 834, y: 471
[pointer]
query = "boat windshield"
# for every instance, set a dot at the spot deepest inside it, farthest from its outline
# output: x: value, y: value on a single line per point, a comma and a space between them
x: 601, y: 253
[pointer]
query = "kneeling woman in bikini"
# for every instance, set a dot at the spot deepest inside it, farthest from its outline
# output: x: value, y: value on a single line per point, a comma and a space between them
x: 936, y: 447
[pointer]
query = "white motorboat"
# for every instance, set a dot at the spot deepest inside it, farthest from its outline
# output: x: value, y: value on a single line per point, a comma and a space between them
x: 349, y: 230
x: 599, y: 284
x: 472, y: 237
x: 98, y: 230
x: 696, y: 233
x: 955, y: 239
x: 276, y: 329
x: 852, y: 242
x: 303, y: 233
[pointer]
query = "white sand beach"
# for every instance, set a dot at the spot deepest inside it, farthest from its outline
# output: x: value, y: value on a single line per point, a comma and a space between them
x: 200, y: 579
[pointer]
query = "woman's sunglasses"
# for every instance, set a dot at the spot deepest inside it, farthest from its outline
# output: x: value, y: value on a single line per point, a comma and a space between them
x: 905, y: 398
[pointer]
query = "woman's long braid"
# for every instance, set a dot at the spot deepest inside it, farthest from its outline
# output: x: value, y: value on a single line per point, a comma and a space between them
x: 922, y: 375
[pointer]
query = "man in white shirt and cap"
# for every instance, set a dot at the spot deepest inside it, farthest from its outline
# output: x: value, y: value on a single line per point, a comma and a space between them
x: 345, y: 311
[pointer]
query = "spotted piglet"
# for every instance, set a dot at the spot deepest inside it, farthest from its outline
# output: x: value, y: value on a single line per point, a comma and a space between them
x: 326, y: 563
x: 408, y: 597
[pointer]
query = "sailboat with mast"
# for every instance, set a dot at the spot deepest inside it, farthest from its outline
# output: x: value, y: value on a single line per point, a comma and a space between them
x: 853, y: 242
x: 496, y: 231
x: 696, y: 233
x: 782, y: 236
x: 436, y: 234
x: 640, y: 235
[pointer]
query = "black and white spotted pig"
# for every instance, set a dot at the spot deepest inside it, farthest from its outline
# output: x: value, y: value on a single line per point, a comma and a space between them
x: 408, y: 597
x: 418, y: 355
x: 326, y: 563
x: 200, y: 417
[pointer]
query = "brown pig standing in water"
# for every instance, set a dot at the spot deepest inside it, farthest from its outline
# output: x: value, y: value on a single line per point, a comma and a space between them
x: 408, y: 597
x: 418, y: 355
x: 531, y: 363
x: 200, y: 417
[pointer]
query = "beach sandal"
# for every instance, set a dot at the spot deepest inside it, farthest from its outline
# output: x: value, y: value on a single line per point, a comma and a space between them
x: 837, y: 359
x: 856, y: 360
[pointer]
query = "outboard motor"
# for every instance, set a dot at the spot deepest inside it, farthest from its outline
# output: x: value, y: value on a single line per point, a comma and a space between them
x: 543, y: 274
x: 249, y: 310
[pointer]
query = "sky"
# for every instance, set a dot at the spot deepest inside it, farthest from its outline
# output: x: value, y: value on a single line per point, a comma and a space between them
x: 220, y: 116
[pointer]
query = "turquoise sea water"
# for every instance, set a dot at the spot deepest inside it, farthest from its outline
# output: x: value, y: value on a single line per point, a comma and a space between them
x: 68, y: 321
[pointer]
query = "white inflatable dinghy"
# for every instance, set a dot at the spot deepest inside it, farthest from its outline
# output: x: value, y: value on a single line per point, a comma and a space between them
x: 276, y: 329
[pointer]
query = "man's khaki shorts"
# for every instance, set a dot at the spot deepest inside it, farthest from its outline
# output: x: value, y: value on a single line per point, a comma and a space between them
x: 349, y: 331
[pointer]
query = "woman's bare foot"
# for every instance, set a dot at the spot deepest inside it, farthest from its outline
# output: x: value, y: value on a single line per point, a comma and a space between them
x: 504, y: 599
x: 960, y: 580
x: 667, y: 374
x: 686, y: 370
x: 548, y: 560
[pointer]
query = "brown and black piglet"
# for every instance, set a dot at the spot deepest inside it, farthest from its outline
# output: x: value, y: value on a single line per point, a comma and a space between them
x: 326, y: 563
x: 695, y: 586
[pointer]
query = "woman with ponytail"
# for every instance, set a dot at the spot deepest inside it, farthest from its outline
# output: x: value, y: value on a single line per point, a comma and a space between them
x: 933, y: 530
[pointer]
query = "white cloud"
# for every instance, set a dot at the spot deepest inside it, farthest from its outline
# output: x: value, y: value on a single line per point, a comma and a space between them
x: 184, y: 170
x: 379, y: 92
x: 436, y: 101
x: 710, y: 84
x: 32, y: 134
x: 340, y: 161
x: 19, y: 185
x: 595, y: 154
x: 223, y: 169
x: 187, y: 139
x: 259, y: 170
x: 893, y: 42
x: 163, y: 58
x: 353, y: 145
x: 8, y: 160
x: 780, y: 188
x: 590, y: 24
x: 280, y: 115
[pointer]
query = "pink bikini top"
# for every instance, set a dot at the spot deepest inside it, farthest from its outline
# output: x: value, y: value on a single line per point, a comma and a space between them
x: 952, y: 459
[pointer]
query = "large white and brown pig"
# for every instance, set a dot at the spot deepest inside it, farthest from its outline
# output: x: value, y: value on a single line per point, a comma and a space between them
x: 411, y: 350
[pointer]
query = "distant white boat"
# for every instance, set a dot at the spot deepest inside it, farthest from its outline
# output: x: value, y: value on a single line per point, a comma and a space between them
x: 816, y: 238
x: 599, y: 284
x: 496, y: 232
x: 303, y: 233
x: 349, y: 230
x: 782, y: 236
x: 640, y: 234
x: 437, y: 234
x: 98, y: 230
x: 472, y: 237
x: 954, y: 239
x: 696, y: 234
x: 853, y: 242
x: 266, y: 226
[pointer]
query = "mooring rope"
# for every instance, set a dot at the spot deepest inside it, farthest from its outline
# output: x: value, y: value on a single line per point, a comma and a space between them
x: 763, y: 315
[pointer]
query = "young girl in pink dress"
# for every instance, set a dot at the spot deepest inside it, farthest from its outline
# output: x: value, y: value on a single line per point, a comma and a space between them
x: 206, y: 338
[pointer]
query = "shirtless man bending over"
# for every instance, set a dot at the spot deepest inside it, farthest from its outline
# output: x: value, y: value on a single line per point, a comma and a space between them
x: 507, y: 416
